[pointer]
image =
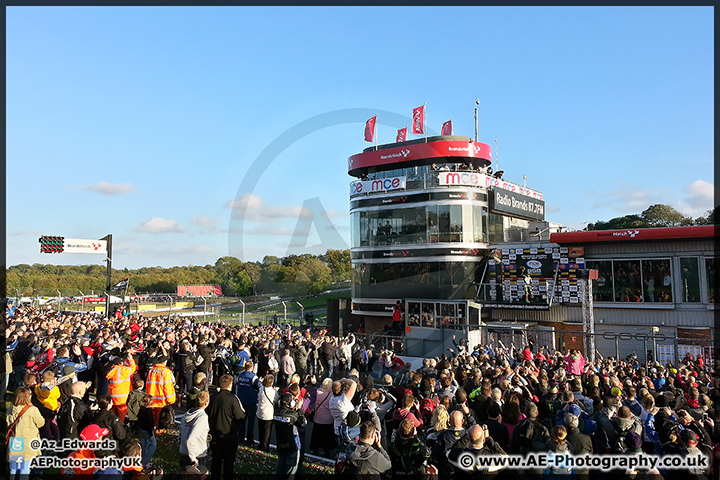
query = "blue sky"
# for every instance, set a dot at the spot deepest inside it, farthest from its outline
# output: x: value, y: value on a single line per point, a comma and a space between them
x: 144, y: 122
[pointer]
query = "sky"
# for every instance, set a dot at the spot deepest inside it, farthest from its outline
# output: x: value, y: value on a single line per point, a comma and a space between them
x: 161, y: 125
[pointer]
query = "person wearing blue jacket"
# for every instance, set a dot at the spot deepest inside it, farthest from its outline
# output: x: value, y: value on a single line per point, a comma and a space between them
x: 247, y: 386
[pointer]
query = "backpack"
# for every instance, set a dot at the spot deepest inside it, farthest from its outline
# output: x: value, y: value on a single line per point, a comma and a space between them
x: 343, y: 466
x: 273, y: 364
x: 358, y: 356
x: 167, y: 417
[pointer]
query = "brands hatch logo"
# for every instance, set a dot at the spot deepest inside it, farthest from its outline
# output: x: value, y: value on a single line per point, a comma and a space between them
x: 632, y: 233
x: 404, y: 153
x: 350, y: 163
x: 96, y: 246
x: 401, y: 253
x: 476, y: 148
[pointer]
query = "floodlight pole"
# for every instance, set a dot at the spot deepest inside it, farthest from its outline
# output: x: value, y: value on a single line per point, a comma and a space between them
x: 242, y: 319
x: 108, y: 239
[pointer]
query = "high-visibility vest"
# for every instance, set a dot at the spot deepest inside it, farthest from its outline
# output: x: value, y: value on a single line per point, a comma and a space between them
x: 160, y: 386
x: 120, y: 385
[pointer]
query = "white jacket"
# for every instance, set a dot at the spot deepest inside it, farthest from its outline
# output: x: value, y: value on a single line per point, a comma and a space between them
x: 267, y: 396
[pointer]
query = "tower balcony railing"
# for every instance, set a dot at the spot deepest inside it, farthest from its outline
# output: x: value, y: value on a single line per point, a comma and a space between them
x: 460, y: 177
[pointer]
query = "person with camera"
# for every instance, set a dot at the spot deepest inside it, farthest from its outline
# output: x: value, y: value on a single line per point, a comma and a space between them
x: 341, y: 402
x: 369, y: 460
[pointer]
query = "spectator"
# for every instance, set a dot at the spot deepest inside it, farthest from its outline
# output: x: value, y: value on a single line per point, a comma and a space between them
x: 369, y: 459
x: 267, y: 396
x: 408, y: 454
x: 74, y: 415
x: 106, y: 418
x: 287, y: 420
x: 497, y: 430
x: 120, y: 376
x: 224, y: 415
x: 477, y: 442
x: 247, y: 388
x: 160, y: 386
x: 323, y: 432
x: 24, y: 421
x: 194, y: 432
x: 341, y: 402
x: 146, y: 426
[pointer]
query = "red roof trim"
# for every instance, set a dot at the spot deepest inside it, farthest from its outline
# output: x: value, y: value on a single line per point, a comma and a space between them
x: 635, y: 234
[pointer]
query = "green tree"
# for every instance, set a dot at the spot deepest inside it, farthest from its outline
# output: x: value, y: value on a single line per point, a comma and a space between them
x: 664, y: 216
x: 619, y: 223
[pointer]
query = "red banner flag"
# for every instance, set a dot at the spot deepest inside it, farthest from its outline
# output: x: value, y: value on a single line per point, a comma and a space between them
x: 401, y: 135
x: 418, y: 120
x: 447, y: 128
x: 370, y: 129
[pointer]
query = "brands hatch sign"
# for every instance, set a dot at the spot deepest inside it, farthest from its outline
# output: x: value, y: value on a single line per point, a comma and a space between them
x: 379, y: 185
x: 517, y: 205
x: 75, y: 245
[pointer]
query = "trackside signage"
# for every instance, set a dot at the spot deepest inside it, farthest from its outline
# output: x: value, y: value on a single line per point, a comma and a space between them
x: 379, y: 185
x: 517, y: 205
x: 76, y: 245
x: 481, y: 180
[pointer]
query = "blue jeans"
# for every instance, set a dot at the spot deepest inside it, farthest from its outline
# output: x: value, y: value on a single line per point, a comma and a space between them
x: 21, y: 473
x: 149, y: 445
x: 287, y: 464
x: 248, y: 424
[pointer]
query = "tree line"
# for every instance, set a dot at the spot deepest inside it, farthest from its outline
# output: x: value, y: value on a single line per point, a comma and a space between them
x: 292, y: 275
x: 654, y: 216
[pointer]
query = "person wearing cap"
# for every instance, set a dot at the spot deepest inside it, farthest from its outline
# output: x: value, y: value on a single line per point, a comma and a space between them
x: 287, y: 420
x: 581, y: 443
x: 65, y: 382
x: 160, y: 385
x: 120, y: 376
x: 92, y: 432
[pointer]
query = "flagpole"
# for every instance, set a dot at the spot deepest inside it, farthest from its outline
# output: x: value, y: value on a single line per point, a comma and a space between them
x: 451, y: 126
x: 425, y: 120
x: 375, y: 132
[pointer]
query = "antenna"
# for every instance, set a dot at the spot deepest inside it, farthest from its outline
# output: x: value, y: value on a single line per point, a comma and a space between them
x: 477, y: 102
x: 497, y: 163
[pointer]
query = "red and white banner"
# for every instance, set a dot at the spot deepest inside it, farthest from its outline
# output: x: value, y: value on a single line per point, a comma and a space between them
x: 94, y: 300
x: 380, y: 185
x: 370, y: 129
x: 482, y: 180
x: 198, y: 290
x: 401, y: 135
x: 439, y: 149
x: 636, y: 234
x: 418, y: 120
x: 447, y: 128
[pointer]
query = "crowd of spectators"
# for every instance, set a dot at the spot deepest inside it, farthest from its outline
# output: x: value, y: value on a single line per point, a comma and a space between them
x: 77, y: 375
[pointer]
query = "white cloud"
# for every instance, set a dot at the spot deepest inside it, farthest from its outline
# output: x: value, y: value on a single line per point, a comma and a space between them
x: 159, y: 225
x: 111, y: 188
x: 204, y: 222
x: 699, y: 198
x: 256, y: 210
x: 628, y: 199
x: 23, y: 233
